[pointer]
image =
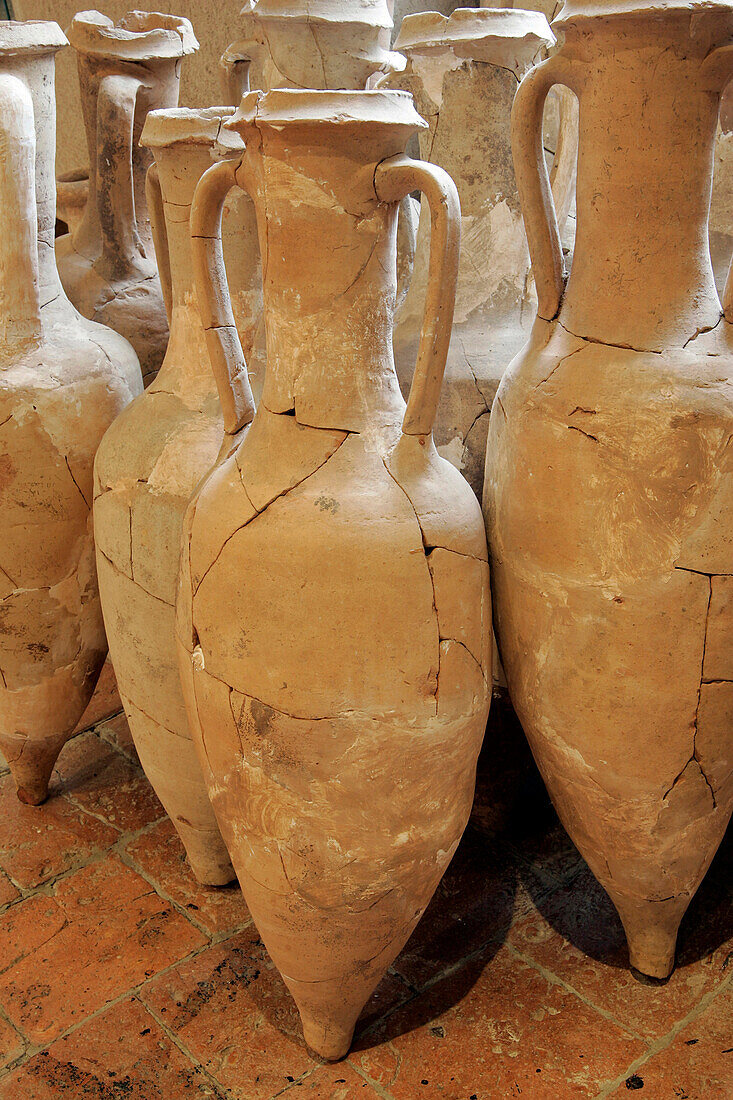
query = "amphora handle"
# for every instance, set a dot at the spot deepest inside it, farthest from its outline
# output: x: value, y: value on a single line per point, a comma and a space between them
x: 395, y: 178
x: 533, y: 182
x: 222, y: 339
x: 20, y: 320
x: 116, y: 101
x: 234, y: 66
x: 156, y: 213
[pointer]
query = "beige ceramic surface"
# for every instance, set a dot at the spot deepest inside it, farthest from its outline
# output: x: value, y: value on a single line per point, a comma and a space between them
x: 463, y: 72
x: 287, y: 44
x: 63, y: 380
x: 107, y: 264
x: 147, y: 467
x: 318, y: 44
x: 334, y: 611
x: 609, y: 477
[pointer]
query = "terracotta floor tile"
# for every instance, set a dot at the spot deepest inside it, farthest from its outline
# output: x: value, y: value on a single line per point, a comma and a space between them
x: 474, y: 903
x: 25, y: 927
x: 230, y: 1008
x: 107, y: 930
x: 99, y: 779
x: 577, y: 934
x: 117, y: 731
x: 494, y: 1029
x: 697, y: 1065
x: 233, y: 1012
x: 11, y: 1044
x: 104, y: 702
x: 8, y: 892
x: 122, y: 1053
x: 160, y: 854
x: 39, y: 842
x: 337, y: 1082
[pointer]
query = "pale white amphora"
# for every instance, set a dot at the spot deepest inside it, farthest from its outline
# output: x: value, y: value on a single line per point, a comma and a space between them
x: 334, y: 612
x: 147, y: 467
x: 63, y: 380
x: 609, y: 472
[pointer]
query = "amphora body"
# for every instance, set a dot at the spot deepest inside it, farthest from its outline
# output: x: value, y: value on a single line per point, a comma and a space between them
x: 107, y: 264
x: 63, y: 379
x: 147, y: 468
x: 463, y: 72
x: 334, y: 618
x: 609, y: 475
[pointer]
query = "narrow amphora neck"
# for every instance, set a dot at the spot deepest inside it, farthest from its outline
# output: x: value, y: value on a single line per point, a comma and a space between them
x: 183, y: 143
x: 328, y: 250
x: 641, y: 273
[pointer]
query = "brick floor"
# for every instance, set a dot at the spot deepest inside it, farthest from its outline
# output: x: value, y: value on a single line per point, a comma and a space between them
x: 121, y: 977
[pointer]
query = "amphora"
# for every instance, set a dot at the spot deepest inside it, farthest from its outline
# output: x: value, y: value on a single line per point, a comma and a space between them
x: 63, y: 379
x: 147, y: 467
x: 609, y: 474
x: 107, y: 264
x: 463, y: 72
x: 333, y: 612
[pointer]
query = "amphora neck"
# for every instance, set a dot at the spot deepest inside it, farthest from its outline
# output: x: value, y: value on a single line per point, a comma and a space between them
x: 328, y: 250
x: 641, y: 273
x: 183, y: 144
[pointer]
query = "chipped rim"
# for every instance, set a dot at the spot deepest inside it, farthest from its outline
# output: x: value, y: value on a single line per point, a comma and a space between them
x: 138, y: 36
x: 581, y: 11
x: 30, y: 36
x: 369, y: 13
x: 471, y: 28
x: 171, y: 125
x: 284, y: 107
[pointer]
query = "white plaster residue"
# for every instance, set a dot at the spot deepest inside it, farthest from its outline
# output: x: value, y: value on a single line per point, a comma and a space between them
x: 431, y: 69
x: 493, y: 255
x: 453, y: 452
x: 197, y: 659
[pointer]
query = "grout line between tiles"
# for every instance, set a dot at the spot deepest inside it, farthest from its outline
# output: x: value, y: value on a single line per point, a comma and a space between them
x: 550, y: 976
x: 665, y: 1040
x: 133, y: 991
x: 178, y: 1042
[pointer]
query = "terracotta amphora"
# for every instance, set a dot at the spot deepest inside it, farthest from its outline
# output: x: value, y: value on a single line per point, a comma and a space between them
x: 609, y: 473
x: 63, y: 380
x: 463, y: 72
x: 334, y: 609
x: 107, y: 264
x: 147, y: 467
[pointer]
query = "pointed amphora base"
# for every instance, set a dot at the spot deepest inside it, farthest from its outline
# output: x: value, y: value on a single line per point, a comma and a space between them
x: 31, y: 763
x: 651, y: 929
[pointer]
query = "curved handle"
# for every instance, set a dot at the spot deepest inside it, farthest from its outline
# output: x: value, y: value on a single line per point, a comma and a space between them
x: 566, y: 157
x: 222, y: 339
x: 234, y: 66
x: 156, y: 212
x: 393, y: 179
x: 116, y: 99
x: 538, y: 209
